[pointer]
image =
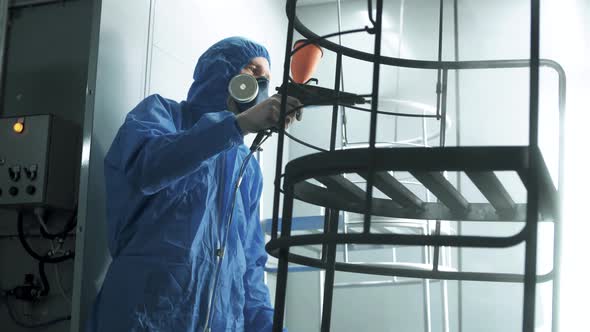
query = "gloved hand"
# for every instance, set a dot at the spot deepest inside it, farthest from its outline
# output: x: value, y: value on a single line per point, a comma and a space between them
x: 266, y: 114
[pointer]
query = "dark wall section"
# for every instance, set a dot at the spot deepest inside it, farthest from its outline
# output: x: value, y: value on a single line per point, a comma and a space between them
x: 46, y: 71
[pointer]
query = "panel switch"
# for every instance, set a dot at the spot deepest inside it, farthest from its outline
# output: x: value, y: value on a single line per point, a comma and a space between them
x: 14, y: 173
x: 31, y: 172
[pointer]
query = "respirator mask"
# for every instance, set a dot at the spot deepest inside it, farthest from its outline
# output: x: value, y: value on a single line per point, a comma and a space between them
x: 247, y: 90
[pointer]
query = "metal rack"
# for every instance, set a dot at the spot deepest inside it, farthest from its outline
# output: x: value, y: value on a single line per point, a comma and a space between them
x: 427, y: 165
x: 350, y: 223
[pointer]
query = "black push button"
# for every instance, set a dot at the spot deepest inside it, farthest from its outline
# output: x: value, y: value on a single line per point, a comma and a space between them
x: 13, y: 191
x: 31, y: 190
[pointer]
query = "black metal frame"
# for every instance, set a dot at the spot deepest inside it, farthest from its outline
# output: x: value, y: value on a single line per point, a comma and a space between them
x: 543, y: 199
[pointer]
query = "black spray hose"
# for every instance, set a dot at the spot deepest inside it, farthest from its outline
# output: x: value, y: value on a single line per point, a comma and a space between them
x: 72, y: 222
x: 31, y: 252
x: 44, y: 280
x: 221, y: 251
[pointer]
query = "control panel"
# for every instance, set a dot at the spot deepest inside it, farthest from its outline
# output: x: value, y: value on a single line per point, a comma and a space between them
x: 39, y: 162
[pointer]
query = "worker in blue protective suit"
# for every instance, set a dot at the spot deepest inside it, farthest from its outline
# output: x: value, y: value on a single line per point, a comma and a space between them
x: 169, y: 178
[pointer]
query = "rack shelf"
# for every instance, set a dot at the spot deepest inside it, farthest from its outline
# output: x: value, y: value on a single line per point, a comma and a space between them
x: 426, y: 165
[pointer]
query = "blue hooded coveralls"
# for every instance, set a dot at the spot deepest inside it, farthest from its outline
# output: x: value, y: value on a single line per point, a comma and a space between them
x: 170, y: 175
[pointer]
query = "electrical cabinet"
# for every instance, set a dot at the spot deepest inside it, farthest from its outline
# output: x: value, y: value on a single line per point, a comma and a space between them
x: 39, y: 156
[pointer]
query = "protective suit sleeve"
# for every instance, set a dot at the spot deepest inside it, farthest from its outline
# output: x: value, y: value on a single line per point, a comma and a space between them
x: 258, y: 312
x: 153, y: 153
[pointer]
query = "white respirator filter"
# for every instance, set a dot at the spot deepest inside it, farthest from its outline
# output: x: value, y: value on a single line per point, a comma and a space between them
x: 243, y: 88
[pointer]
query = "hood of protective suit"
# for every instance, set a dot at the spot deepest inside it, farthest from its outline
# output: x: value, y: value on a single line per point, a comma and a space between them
x: 217, y: 66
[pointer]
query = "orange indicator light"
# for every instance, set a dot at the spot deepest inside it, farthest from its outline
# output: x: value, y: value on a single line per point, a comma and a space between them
x: 18, y: 127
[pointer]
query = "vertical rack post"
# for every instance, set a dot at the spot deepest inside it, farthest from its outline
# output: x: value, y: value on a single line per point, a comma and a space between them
x: 402, y: 5
x: 443, y: 118
x: 439, y: 87
x: 291, y: 7
x: 330, y: 272
x: 373, y: 125
x: 557, y: 222
x: 337, y: 83
x: 437, y: 249
x: 344, y: 134
x: 458, y: 143
x: 283, y: 267
x: 333, y: 130
x: 426, y: 294
x: 282, y: 272
x: 530, y: 280
x: 329, y: 250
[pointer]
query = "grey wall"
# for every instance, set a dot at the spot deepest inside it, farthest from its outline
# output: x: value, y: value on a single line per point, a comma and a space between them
x: 568, y: 30
x: 121, y: 34
x: 46, y: 72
